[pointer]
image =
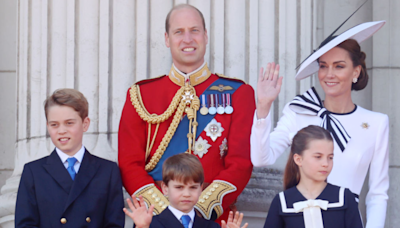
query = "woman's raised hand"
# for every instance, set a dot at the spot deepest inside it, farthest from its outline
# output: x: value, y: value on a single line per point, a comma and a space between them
x: 268, y: 88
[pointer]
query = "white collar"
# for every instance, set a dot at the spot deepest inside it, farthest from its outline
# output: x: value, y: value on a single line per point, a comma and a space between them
x: 178, y: 214
x: 79, y: 155
x: 285, y: 209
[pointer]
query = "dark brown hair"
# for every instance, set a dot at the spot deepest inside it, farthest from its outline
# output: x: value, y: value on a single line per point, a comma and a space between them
x: 358, y: 58
x: 184, y: 168
x: 181, y: 6
x: 68, y: 97
x: 300, y: 143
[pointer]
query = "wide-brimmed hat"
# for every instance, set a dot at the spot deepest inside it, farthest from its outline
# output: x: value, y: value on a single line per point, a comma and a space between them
x: 359, y: 33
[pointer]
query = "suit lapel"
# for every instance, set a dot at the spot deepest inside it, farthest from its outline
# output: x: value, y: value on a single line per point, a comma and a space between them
x: 169, y: 220
x: 85, y: 174
x: 199, y: 223
x: 57, y: 170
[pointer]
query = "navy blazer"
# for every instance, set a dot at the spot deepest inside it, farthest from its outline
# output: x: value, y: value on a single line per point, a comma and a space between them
x: 48, y: 197
x: 168, y: 220
x: 342, y: 211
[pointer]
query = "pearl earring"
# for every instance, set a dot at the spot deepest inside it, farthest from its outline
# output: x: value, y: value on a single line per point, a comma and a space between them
x: 355, y: 80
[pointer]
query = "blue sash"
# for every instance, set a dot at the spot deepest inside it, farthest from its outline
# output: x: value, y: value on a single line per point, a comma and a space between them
x: 179, y: 142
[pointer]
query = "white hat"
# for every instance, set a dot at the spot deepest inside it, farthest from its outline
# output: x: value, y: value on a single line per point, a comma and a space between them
x: 359, y: 33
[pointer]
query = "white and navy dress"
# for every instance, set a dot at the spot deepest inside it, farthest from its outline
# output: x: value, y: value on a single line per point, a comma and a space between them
x: 361, y: 143
x: 335, y: 206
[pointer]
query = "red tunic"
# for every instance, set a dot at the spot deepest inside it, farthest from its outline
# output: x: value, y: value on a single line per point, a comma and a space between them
x: 234, y: 167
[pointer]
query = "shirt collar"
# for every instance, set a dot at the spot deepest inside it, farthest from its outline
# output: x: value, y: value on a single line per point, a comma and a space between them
x: 194, y: 78
x: 178, y: 214
x: 79, y: 155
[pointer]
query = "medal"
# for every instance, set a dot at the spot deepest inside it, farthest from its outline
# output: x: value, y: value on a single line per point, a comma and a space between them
x: 212, y: 110
x: 220, y: 109
x: 204, y: 109
x: 228, y: 107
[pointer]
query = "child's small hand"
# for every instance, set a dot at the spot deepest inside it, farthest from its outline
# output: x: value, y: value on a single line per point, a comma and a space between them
x: 234, y: 222
x: 140, y: 215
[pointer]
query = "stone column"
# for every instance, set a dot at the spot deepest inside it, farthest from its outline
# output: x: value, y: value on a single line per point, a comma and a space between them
x: 385, y: 83
x: 8, y: 22
x: 8, y: 72
x: 59, y: 45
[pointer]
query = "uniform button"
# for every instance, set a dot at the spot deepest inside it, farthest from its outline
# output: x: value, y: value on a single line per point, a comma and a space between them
x: 63, y: 220
x: 88, y: 219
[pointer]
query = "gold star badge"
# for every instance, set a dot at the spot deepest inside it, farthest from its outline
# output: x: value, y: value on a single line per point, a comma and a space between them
x: 365, y: 125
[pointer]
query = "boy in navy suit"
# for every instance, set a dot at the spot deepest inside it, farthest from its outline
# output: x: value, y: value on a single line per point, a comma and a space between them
x: 182, y: 176
x: 70, y: 187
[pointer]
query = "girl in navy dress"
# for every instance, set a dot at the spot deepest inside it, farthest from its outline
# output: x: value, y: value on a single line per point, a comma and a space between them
x: 308, y: 200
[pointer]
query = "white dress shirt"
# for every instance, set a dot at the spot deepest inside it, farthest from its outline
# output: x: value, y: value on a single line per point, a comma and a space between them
x: 79, y: 156
x: 368, y: 148
x: 178, y: 214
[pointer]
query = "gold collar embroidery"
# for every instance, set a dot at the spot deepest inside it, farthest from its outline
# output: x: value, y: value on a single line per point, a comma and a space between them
x: 195, y: 78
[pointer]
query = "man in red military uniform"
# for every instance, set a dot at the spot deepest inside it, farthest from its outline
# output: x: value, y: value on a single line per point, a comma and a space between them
x: 191, y: 110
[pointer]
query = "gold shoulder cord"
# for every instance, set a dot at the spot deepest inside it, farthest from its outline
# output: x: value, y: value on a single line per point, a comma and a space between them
x: 185, y: 100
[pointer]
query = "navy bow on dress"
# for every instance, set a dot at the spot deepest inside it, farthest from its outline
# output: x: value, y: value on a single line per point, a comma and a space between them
x: 310, y: 104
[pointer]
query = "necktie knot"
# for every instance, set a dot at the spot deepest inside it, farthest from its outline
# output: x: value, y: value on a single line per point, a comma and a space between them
x: 71, y: 170
x: 185, y: 220
x: 71, y: 161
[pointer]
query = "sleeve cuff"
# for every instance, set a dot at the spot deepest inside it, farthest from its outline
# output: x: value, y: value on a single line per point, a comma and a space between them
x: 262, y: 121
x: 211, y: 198
x: 152, y: 196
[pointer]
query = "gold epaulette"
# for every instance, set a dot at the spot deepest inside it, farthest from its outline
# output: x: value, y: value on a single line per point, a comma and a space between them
x: 153, y: 196
x: 235, y: 79
x: 211, y: 198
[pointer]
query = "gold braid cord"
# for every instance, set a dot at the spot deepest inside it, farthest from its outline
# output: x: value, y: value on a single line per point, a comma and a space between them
x: 185, y: 100
x: 211, y: 198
